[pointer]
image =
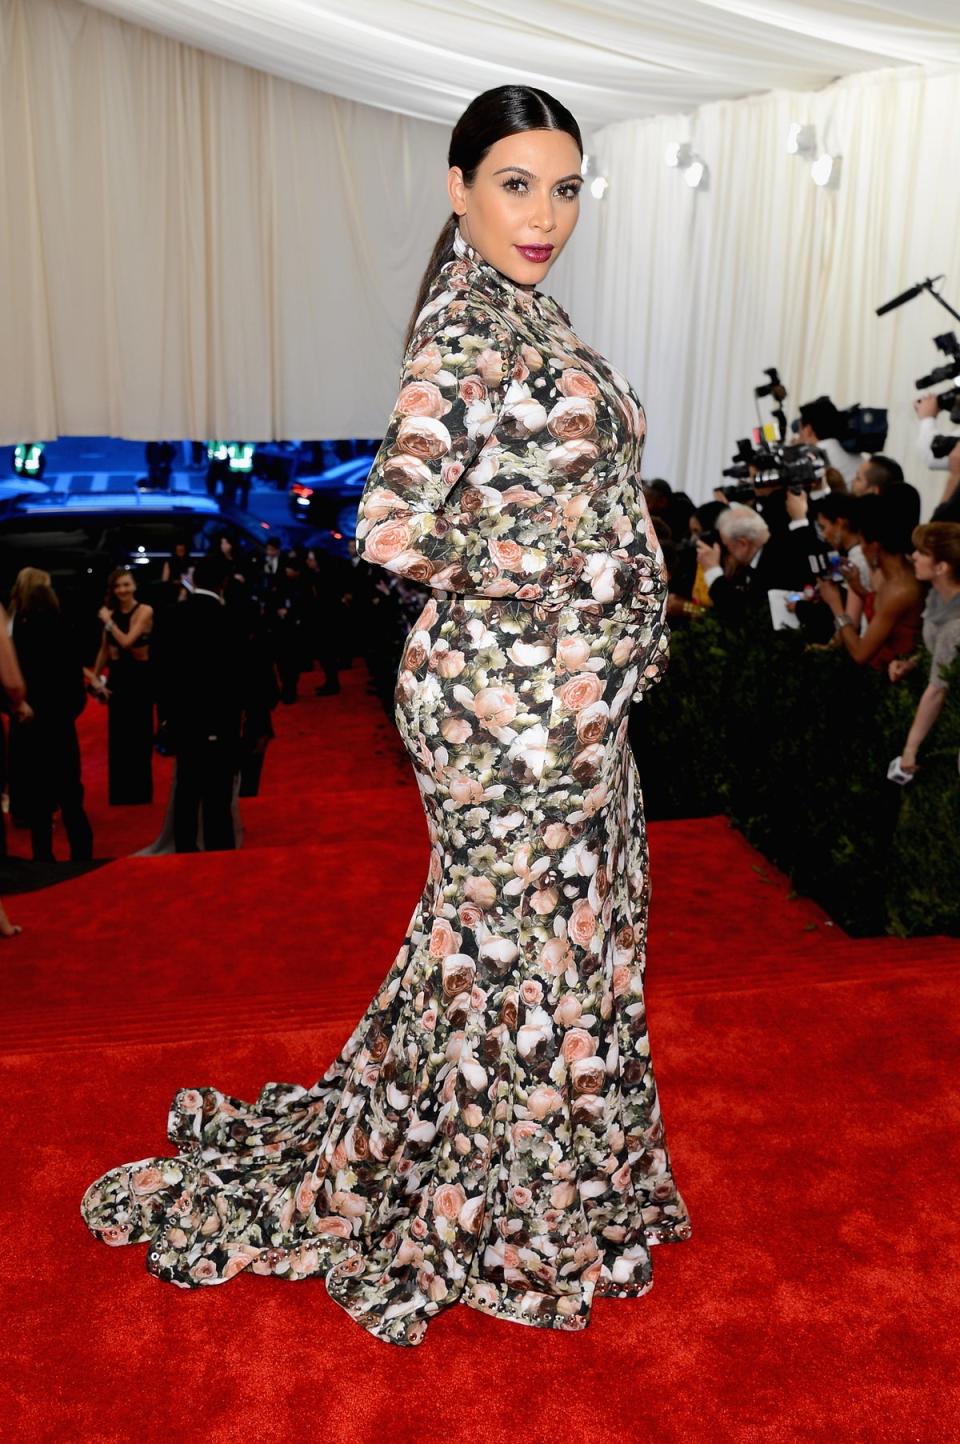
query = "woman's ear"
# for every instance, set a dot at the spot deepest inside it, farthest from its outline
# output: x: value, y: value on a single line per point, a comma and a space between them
x: 456, y: 189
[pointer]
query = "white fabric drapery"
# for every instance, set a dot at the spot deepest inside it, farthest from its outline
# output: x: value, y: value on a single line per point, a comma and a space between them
x: 694, y: 293
x: 192, y: 247
x: 607, y: 60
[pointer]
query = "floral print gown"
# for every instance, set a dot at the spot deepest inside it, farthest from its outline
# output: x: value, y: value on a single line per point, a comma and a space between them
x: 491, y: 1131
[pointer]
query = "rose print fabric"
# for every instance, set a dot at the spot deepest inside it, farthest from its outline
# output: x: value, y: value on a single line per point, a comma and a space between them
x: 491, y: 1131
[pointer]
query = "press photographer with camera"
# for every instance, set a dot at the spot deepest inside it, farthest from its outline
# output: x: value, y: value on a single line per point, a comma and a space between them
x: 821, y: 424
x: 836, y: 517
x: 742, y: 562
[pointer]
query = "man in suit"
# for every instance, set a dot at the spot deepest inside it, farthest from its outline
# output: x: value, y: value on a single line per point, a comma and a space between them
x: 200, y: 665
x: 758, y: 563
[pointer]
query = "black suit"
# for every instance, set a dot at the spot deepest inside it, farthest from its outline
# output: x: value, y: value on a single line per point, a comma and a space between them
x: 201, y: 680
x: 782, y: 565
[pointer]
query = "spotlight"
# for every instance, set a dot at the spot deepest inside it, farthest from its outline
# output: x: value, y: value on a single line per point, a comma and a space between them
x: 801, y: 140
x: 696, y: 175
x: 598, y: 185
x: 826, y: 171
x: 678, y: 154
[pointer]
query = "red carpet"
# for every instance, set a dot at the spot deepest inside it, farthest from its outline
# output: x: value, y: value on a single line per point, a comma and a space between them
x: 807, y: 1087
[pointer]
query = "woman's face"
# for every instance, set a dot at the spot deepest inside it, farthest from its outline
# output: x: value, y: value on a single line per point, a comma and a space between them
x: 525, y: 193
x: 923, y: 565
x: 124, y: 588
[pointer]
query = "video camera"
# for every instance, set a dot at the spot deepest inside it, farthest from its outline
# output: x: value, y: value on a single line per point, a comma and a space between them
x: 948, y: 401
x: 761, y: 463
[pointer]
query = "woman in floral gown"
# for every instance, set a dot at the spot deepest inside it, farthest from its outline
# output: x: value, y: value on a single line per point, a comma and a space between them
x: 491, y: 1131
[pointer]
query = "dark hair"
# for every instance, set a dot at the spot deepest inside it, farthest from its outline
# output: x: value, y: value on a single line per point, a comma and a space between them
x: 838, y: 506
x: 661, y: 487
x: 211, y: 572
x: 496, y: 113
x: 823, y: 415
x: 707, y: 514
x: 883, y: 472
x: 273, y: 541
x: 889, y: 520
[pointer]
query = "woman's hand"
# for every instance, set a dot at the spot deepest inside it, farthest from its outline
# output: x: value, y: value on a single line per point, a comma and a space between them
x: 851, y: 575
x: 105, y: 615
x: 708, y: 556
x: 908, y: 761
x: 831, y: 594
x: 23, y: 712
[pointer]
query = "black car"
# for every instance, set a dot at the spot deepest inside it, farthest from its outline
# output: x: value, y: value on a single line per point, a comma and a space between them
x: 80, y: 542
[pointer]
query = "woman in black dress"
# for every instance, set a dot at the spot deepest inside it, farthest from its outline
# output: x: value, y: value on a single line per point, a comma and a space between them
x: 125, y: 651
x: 45, y: 750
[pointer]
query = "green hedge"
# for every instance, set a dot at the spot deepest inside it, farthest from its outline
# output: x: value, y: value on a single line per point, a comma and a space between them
x: 793, y: 744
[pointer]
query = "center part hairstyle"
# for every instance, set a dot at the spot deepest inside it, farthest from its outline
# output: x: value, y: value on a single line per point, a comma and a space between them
x: 496, y: 113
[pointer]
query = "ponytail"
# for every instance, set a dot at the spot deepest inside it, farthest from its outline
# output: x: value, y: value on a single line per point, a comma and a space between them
x: 441, y: 252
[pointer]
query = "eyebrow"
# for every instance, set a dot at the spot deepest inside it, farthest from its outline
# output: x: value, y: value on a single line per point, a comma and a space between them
x: 530, y: 175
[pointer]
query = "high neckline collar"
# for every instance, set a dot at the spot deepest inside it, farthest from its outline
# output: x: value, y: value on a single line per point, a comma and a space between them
x: 489, y: 277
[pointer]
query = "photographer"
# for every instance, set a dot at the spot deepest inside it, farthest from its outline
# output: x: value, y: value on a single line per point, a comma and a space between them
x: 949, y: 507
x: 756, y: 563
x: 928, y: 408
x: 936, y: 559
x: 821, y: 424
x: 875, y: 475
x: 836, y: 517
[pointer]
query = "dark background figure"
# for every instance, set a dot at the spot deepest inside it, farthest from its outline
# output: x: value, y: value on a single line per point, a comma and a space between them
x: 269, y: 570
x: 45, y: 749
x: 328, y: 580
x: 125, y: 651
x: 286, y: 611
x: 175, y: 567
x: 261, y: 695
x: 13, y: 705
x: 201, y: 685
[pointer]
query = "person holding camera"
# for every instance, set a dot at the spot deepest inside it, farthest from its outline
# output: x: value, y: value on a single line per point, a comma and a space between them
x: 821, y: 424
x: 936, y: 559
x: 742, y: 562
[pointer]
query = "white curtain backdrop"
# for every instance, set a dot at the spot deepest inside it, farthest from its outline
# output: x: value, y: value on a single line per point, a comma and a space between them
x: 192, y: 247
x: 608, y: 59
x: 693, y: 293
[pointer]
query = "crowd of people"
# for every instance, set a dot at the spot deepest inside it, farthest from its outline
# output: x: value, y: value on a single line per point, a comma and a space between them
x: 192, y: 663
x: 844, y: 560
x: 197, y: 666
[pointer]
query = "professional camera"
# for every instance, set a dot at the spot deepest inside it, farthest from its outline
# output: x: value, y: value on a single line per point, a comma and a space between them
x: 948, y: 401
x: 949, y: 346
x: 760, y: 463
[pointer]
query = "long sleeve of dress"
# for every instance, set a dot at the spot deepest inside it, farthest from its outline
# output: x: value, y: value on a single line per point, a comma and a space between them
x: 452, y: 499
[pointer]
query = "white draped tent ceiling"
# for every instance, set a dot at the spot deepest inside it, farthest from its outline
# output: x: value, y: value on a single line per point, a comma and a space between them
x: 610, y: 60
x: 214, y: 213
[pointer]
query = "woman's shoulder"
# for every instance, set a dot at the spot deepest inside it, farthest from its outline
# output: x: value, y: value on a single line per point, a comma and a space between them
x: 452, y: 320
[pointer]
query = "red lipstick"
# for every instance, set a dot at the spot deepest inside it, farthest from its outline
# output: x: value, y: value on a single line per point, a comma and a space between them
x: 536, y: 253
